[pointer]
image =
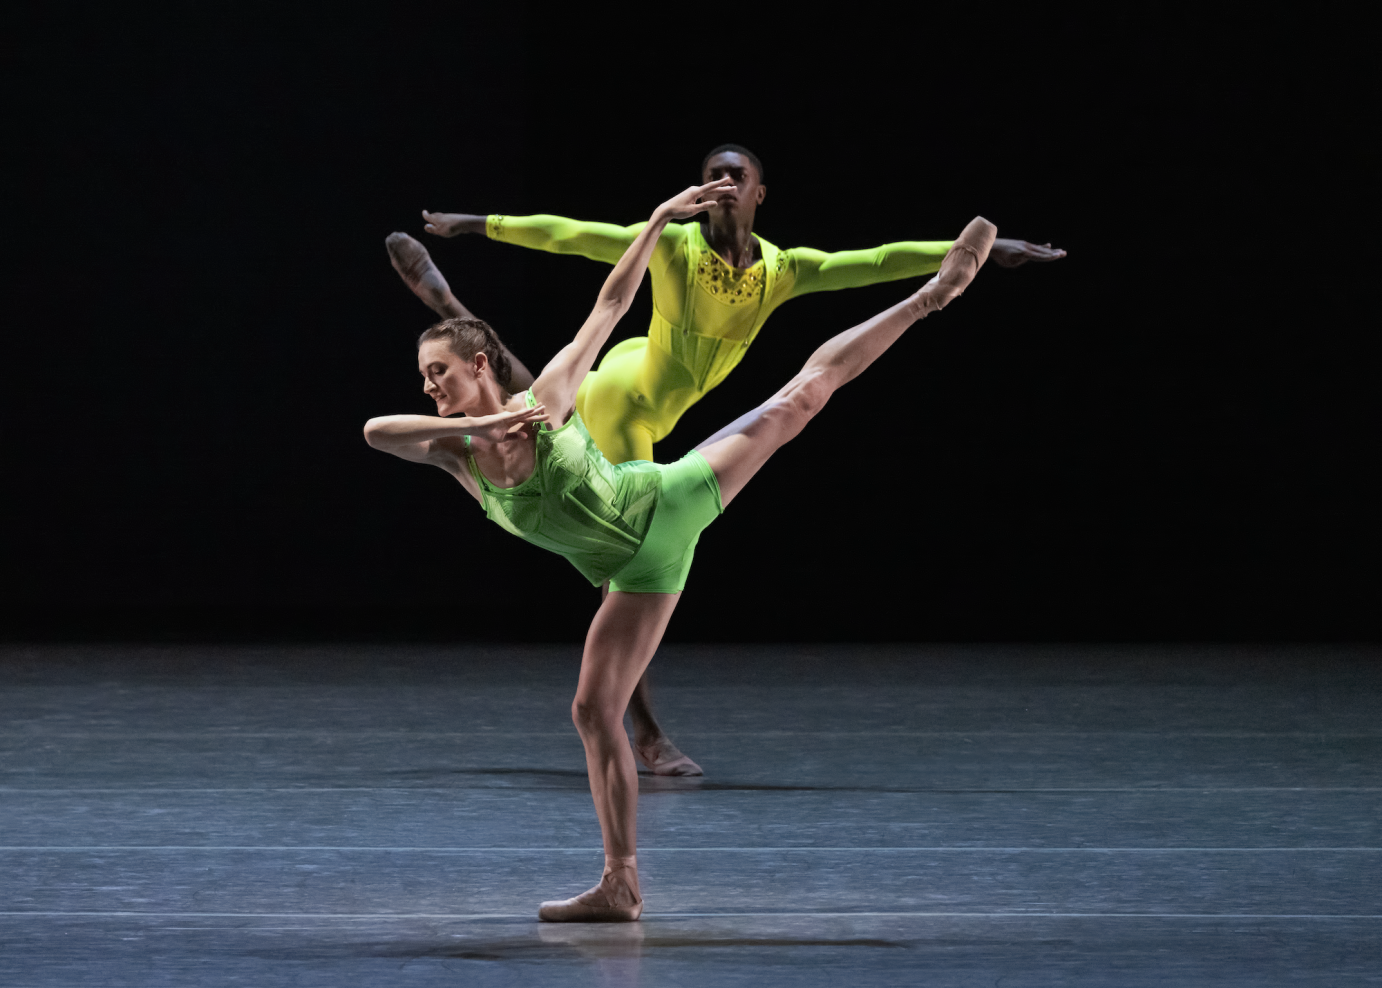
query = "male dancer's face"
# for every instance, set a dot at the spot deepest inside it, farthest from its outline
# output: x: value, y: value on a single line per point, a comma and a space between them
x: 743, y: 203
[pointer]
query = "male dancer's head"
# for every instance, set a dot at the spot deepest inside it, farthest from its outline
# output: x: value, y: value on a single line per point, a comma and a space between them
x: 742, y: 165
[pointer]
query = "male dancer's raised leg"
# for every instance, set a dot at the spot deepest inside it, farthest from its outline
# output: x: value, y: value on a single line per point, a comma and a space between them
x: 415, y: 266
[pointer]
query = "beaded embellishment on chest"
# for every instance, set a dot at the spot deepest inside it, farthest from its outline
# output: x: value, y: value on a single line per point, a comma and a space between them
x: 728, y: 284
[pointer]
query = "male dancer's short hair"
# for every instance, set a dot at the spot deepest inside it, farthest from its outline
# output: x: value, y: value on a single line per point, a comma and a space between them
x: 737, y: 149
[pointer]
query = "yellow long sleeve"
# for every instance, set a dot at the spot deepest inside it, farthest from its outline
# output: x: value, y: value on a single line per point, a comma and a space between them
x: 603, y: 242
x: 816, y: 271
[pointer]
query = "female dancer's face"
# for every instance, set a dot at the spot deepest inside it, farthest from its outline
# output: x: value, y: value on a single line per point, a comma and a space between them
x: 451, y: 381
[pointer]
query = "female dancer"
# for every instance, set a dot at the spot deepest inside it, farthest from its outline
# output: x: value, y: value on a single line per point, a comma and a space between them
x: 715, y: 283
x: 530, y: 462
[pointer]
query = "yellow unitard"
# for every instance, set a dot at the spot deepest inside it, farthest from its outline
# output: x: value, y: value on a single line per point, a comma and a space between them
x: 705, y: 315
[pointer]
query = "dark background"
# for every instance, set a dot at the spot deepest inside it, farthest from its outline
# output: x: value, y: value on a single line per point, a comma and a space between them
x: 1164, y: 436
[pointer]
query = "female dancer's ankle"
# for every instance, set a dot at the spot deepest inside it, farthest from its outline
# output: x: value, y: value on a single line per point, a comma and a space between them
x: 620, y: 880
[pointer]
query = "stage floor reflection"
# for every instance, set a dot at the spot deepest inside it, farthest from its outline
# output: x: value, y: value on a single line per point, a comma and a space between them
x: 876, y: 815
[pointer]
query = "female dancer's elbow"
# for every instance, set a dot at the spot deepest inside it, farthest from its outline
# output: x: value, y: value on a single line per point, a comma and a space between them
x: 375, y: 433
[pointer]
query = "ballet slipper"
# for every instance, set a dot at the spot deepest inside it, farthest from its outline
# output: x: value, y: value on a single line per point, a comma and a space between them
x: 662, y: 757
x: 415, y: 266
x: 612, y: 901
x: 958, y: 268
x: 581, y: 910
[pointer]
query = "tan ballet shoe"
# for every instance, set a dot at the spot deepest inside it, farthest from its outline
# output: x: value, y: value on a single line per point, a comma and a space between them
x: 601, y: 904
x: 666, y: 759
x: 959, y: 266
x: 577, y: 911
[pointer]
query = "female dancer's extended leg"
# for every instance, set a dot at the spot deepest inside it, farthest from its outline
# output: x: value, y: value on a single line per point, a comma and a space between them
x: 620, y: 644
x: 737, y: 451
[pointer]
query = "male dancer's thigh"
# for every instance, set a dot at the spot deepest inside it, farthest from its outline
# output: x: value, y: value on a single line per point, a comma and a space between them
x: 613, y: 408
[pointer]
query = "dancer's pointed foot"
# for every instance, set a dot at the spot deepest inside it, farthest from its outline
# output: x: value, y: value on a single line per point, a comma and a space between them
x: 664, y: 758
x: 962, y: 262
x: 614, y: 900
x: 414, y: 265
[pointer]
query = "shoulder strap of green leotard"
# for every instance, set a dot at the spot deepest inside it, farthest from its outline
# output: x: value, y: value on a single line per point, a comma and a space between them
x: 531, y: 402
x: 474, y: 470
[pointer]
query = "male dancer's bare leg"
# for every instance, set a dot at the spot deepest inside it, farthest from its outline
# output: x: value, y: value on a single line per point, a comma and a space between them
x: 652, y: 745
x: 620, y: 644
x: 415, y: 266
x: 655, y: 749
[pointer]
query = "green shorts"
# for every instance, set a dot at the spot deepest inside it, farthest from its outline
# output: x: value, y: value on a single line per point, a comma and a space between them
x: 688, y: 501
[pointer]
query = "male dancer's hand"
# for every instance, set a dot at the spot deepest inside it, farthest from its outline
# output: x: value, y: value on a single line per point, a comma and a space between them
x: 1015, y: 253
x: 450, y: 224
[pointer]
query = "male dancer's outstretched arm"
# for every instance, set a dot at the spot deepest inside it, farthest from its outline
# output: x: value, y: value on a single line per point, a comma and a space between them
x: 604, y: 242
x: 818, y: 271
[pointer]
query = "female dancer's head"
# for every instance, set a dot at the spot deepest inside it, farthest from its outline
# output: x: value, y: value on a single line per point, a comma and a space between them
x: 462, y: 362
x: 742, y: 165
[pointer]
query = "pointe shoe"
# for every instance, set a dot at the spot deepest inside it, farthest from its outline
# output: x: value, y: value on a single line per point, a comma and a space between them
x: 576, y: 911
x: 415, y: 266
x: 962, y: 262
x: 662, y: 761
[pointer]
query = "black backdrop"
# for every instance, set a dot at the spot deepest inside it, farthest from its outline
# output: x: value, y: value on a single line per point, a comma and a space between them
x: 1151, y: 439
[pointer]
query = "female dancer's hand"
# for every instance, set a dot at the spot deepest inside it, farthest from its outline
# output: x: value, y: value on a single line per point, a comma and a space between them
x: 697, y: 199
x: 506, y: 426
x: 1015, y: 253
x: 450, y: 224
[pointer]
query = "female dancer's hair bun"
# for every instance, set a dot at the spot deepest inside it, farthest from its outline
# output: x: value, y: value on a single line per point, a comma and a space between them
x: 466, y: 336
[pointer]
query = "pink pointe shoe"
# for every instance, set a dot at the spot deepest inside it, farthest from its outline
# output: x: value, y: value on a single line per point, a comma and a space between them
x: 614, y: 900
x: 664, y: 758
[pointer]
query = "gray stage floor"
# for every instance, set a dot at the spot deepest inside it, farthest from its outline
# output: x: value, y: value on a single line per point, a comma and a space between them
x: 870, y: 816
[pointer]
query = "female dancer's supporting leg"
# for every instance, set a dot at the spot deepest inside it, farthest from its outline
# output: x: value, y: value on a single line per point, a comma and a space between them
x: 628, y: 627
x: 620, y: 644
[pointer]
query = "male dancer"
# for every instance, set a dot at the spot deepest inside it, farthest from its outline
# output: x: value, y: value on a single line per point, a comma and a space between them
x: 715, y: 283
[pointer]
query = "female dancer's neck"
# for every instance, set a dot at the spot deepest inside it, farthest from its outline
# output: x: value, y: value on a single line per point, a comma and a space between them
x: 489, y: 403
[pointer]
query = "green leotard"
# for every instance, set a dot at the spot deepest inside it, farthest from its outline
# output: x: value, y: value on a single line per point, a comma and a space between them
x: 705, y: 314
x: 635, y: 524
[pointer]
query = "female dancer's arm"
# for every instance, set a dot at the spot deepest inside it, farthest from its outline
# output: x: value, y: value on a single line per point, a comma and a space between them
x: 411, y: 436
x: 556, y: 385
